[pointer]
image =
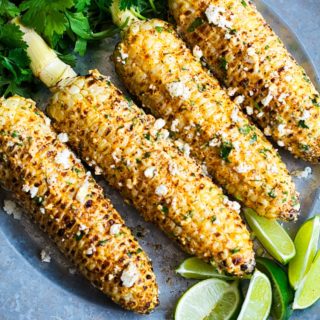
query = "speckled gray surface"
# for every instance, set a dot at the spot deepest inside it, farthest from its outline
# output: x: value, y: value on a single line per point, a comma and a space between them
x: 31, y: 290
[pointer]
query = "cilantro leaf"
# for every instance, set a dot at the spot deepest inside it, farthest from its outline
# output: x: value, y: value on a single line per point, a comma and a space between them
x: 46, y: 17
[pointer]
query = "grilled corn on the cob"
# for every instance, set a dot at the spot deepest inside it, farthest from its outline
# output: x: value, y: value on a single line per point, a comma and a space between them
x: 248, y: 57
x: 136, y: 156
x: 156, y: 67
x: 51, y: 184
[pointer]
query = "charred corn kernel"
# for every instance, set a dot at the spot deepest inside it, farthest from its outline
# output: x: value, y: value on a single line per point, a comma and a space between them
x: 162, y: 73
x: 248, y: 57
x: 53, y: 186
x: 136, y: 157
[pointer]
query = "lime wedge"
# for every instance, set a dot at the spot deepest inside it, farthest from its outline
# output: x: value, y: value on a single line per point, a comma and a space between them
x: 258, y: 300
x: 282, y: 294
x: 309, y: 289
x: 272, y: 236
x: 306, y: 242
x: 211, y: 299
x: 195, y: 268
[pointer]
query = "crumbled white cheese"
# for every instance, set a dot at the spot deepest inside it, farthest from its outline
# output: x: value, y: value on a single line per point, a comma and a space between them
x: 306, y: 115
x: 234, y: 205
x: 197, y: 52
x: 186, y: 149
x: 47, y: 121
x: 280, y: 143
x: 243, y: 168
x: 204, y: 169
x: 63, y: 158
x: 265, y: 101
x: 83, y: 191
x: 90, y: 251
x: 123, y: 57
x: 115, y: 228
x: 235, y: 115
x: 97, y: 171
x: 173, y: 168
x: 164, y: 134
x: 251, y: 93
x: 267, y: 131
x: 150, y: 172
x: 115, y: 156
x: 179, y: 89
x: 63, y: 137
x: 45, y: 256
x: 239, y: 99
x: 215, y: 142
x: 25, y: 188
x: 33, y: 191
x: 249, y: 110
x: 232, y: 91
x: 11, y: 208
x: 251, y: 52
x: 42, y: 210
x: 159, y: 124
x: 282, y: 130
x: 152, y: 87
x: 302, y: 174
x: 215, y: 16
x: 174, y: 125
x: 74, y: 89
x: 130, y: 275
x: 52, y: 179
x: 161, y: 190
x: 282, y: 97
x: 260, y: 114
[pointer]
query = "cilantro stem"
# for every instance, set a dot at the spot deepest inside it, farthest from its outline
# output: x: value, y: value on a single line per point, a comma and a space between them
x: 121, y: 18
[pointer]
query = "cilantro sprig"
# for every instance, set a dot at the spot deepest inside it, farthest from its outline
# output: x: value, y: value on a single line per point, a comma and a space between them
x: 66, y: 25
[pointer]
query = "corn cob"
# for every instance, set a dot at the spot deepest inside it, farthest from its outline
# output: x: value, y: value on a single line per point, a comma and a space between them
x: 136, y: 157
x: 53, y: 186
x: 248, y: 58
x: 162, y: 73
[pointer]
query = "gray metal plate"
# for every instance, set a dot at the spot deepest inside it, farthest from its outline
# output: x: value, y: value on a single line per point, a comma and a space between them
x: 32, y: 290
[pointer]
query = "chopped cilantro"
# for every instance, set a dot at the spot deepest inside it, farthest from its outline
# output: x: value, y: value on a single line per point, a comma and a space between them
x: 225, y: 149
x: 164, y: 209
x: 315, y: 102
x: 223, y: 63
x: 14, y: 134
x: 79, y: 235
x: 253, y: 138
x: 245, y: 130
x: 147, y: 136
x: 244, y: 3
x: 102, y: 242
x: 272, y: 194
x: 304, y: 147
x: 159, y: 29
x: 235, y: 250
x: 302, y: 124
x: 195, y: 24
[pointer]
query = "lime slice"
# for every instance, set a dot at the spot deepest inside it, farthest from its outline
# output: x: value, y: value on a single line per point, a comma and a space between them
x: 258, y: 300
x: 211, y: 299
x: 194, y: 268
x: 272, y: 236
x: 306, y: 242
x: 282, y: 294
x: 309, y: 289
